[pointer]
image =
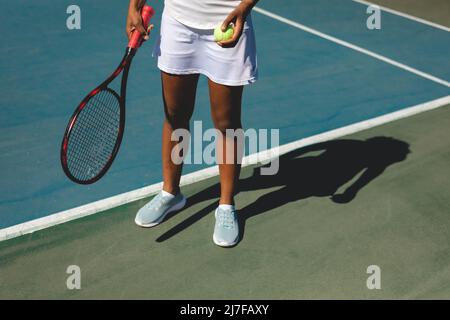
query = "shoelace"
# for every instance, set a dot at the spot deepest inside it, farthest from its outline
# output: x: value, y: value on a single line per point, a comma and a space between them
x: 226, y: 219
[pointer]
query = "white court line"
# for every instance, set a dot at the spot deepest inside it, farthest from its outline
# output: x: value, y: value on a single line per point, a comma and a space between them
x: 352, y: 46
x: 405, y: 15
x: 264, y: 156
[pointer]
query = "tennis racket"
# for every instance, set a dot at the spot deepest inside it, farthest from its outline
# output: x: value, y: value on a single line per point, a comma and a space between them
x: 94, y: 132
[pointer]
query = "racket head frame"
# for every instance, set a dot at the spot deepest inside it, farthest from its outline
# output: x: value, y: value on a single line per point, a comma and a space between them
x: 123, y: 68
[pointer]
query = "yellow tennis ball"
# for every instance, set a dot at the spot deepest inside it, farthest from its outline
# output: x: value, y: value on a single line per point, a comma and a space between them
x: 219, y: 35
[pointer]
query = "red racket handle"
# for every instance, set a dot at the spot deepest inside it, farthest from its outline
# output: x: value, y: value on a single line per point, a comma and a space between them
x: 146, y: 13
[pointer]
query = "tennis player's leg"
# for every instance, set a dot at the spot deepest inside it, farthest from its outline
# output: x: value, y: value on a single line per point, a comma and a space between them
x: 179, y: 99
x: 226, y: 114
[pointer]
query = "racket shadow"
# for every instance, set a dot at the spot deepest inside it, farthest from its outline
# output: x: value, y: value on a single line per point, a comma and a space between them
x: 319, y: 170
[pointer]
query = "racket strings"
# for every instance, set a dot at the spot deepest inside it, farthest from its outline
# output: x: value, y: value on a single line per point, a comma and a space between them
x: 94, y: 135
x: 92, y: 130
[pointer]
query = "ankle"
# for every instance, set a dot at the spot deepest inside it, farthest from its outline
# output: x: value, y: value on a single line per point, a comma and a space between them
x: 171, y: 190
x: 226, y: 202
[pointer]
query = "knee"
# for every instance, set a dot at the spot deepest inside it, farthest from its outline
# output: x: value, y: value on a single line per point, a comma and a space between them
x: 223, y: 124
x: 177, y: 117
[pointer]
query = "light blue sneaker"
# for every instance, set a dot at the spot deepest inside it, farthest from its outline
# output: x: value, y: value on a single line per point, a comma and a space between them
x: 226, y: 229
x: 158, y: 208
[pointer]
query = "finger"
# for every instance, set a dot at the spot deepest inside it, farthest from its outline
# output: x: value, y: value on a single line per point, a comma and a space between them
x: 129, y: 31
x: 227, y: 21
x: 227, y: 43
x: 149, y: 29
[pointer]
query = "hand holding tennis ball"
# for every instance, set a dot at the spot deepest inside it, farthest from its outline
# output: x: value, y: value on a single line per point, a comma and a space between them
x: 229, y: 33
x: 220, y: 35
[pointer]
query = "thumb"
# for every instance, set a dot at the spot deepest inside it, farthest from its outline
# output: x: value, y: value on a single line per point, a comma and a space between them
x: 227, y: 22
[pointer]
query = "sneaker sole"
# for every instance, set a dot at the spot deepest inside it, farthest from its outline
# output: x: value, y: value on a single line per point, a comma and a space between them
x: 176, y: 207
x: 224, y: 244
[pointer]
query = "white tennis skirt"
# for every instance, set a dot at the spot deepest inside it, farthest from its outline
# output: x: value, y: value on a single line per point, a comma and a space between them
x: 184, y: 50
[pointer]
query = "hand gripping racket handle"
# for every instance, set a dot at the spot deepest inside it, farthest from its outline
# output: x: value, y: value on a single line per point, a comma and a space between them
x: 146, y: 13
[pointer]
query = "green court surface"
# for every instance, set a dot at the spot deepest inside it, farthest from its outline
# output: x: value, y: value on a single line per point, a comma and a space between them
x: 306, y: 246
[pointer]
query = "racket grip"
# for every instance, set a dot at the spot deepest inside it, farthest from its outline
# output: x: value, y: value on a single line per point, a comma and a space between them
x: 146, y: 13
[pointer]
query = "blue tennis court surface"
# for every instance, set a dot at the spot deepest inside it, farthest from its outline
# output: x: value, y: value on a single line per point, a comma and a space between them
x: 307, y: 85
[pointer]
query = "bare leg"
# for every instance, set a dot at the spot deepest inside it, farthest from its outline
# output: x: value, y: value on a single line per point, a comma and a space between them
x: 226, y: 114
x: 179, y: 99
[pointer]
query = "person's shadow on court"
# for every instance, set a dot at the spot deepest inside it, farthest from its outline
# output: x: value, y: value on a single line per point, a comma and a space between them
x: 302, y: 174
